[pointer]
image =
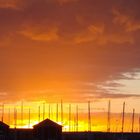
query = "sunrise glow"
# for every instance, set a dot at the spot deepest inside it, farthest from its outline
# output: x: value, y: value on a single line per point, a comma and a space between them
x: 72, y: 120
x: 59, y: 56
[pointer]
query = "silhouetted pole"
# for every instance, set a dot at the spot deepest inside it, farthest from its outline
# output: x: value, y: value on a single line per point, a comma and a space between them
x: 139, y: 124
x: 21, y: 112
x: 52, y: 112
x: 69, y: 117
x: 133, y: 119
x: 49, y: 111
x: 89, y: 117
x: 39, y: 114
x: 57, y: 112
x: 15, y: 116
x: 61, y: 112
x: 123, y: 115
x: 29, y: 117
x: 74, y: 123
x: 43, y: 111
x: 77, y: 118
x: 108, y: 122
x: 9, y: 117
x: 2, y: 116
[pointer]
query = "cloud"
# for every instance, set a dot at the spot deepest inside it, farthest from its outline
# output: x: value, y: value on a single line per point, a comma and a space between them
x: 68, y: 95
x: 3, y: 96
x: 11, y: 4
x: 117, y: 96
x: 98, y: 36
x: 66, y: 1
x: 38, y: 34
x: 127, y: 21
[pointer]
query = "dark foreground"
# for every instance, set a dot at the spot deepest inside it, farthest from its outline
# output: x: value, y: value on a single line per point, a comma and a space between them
x: 100, y: 136
x: 49, y: 130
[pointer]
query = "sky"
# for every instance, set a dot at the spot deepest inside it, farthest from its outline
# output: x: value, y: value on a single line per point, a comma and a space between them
x: 74, y: 50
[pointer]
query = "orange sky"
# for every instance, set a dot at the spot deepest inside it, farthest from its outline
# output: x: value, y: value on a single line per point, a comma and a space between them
x: 74, y: 50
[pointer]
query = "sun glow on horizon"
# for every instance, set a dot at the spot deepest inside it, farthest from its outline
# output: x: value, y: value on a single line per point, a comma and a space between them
x: 71, y: 121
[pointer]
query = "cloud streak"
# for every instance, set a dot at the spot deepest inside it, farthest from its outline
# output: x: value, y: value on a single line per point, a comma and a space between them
x: 36, y: 34
x: 130, y: 24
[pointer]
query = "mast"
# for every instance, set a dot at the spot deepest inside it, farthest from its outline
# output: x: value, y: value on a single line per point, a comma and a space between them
x: 77, y: 118
x: 108, y: 122
x: 74, y: 123
x: 133, y: 119
x: 57, y: 112
x: 61, y: 112
x: 49, y: 111
x: 43, y: 111
x: 123, y: 115
x: 38, y: 113
x: 21, y: 112
x: 15, y: 116
x: 2, y: 116
x: 69, y: 117
x: 139, y: 124
x: 29, y: 117
x: 9, y: 117
x: 89, y: 117
x: 52, y: 112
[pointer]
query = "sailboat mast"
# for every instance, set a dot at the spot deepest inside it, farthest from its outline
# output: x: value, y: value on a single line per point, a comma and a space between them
x: 43, y: 111
x: 49, y: 111
x: 2, y: 118
x: 74, y: 123
x: 38, y: 113
x: 77, y: 118
x: 9, y: 117
x: 133, y: 119
x: 21, y: 112
x: 123, y: 115
x: 57, y: 112
x: 15, y: 116
x: 29, y: 117
x: 69, y: 117
x: 89, y: 117
x: 139, y: 124
x: 108, y: 122
x: 61, y: 112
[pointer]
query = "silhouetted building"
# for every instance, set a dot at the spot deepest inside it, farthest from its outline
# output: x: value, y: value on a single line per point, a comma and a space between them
x: 48, y: 130
x: 21, y: 134
x: 45, y: 130
x: 4, y: 131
